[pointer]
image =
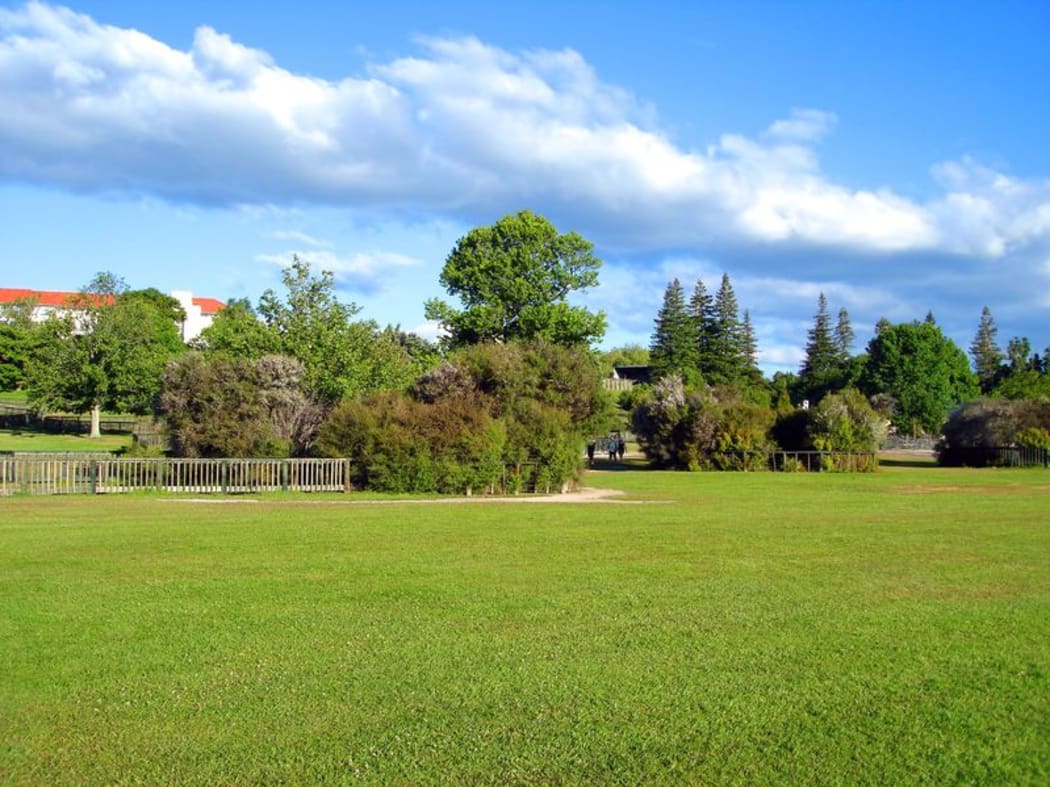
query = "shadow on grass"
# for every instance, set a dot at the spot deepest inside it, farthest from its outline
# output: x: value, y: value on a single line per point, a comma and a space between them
x: 897, y: 461
x: 615, y: 465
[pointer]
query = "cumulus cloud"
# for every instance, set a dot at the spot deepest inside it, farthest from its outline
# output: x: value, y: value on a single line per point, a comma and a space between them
x: 364, y: 272
x: 463, y: 129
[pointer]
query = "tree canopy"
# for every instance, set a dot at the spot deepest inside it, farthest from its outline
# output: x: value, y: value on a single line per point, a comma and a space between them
x: 513, y: 279
x: 925, y: 372
x: 109, y: 352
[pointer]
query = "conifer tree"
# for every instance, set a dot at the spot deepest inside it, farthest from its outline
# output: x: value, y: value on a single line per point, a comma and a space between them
x: 822, y: 367
x: 702, y: 312
x: 748, y: 345
x: 673, y: 347
x: 987, y: 357
x: 726, y: 354
x: 844, y: 337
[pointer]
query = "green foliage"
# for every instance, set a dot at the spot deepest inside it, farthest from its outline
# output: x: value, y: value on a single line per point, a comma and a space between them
x: 845, y: 421
x: 987, y: 357
x: 627, y: 355
x: 790, y: 431
x: 232, y: 407
x: 398, y: 444
x: 923, y: 370
x: 106, y: 354
x: 1033, y: 437
x: 673, y: 350
x: 237, y: 332
x: 726, y: 362
x: 513, y: 279
x: 1023, y: 384
x: 14, y: 356
x: 708, y: 429
x: 822, y: 368
x: 523, y: 404
x: 991, y: 423
x: 341, y: 356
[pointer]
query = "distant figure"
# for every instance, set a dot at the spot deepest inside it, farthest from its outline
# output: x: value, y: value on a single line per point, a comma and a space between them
x: 612, y: 449
x: 621, y: 446
x: 590, y: 452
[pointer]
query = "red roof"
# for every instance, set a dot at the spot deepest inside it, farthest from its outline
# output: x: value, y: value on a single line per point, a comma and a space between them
x: 61, y: 300
x: 41, y: 297
x: 209, y: 305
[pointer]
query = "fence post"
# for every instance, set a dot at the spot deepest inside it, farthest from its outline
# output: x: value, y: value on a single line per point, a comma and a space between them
x: 224, y: 474
x: 93, y: 476
x: 346, y: 476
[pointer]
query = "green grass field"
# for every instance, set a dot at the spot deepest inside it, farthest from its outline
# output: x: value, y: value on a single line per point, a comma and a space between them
x: 29, y: 440
x: 720, y: 628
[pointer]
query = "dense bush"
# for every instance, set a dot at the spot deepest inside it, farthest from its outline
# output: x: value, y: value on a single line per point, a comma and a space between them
x: 699, y: 430
x: 520, y: 409
x: 397, y: 444
x: 226, y: 407
x: 844, y: 421
x: 991, y: 423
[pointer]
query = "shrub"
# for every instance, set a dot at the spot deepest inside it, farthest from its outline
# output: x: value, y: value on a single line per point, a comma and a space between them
x: 397, y: 444
x: 844, y: 421
x: 990, y: 423
x: 700, y: 431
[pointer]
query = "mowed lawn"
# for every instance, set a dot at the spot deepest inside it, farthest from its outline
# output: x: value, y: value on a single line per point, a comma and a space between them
x: 720, y: 628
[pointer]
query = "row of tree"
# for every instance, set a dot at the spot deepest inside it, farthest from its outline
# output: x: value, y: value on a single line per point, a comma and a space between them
x: 514, y: 382
x: 911, y: 372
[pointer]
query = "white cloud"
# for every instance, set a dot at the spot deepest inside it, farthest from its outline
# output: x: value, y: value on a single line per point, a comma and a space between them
x: 463, y: 129
x: 804, y: 124
x: 367, y: 272
x: 300, y: 237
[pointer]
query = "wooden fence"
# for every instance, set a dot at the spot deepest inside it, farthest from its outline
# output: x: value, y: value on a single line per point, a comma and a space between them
x: 58, y: 475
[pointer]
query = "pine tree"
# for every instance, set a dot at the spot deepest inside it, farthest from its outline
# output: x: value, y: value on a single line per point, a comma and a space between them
x: 987, y: 357
x: 726, y: 353
x: 673, y: 347
x: 701, y: 311
x: 822, y: 368
x: 844, y: 337
x: 748, y: 344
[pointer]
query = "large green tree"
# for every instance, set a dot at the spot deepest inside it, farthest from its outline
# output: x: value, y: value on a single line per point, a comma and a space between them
x: 924, y: 371
x: 107, y: 352
x: 513, y: 279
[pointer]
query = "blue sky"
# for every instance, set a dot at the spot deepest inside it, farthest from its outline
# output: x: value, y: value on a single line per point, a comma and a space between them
x: 891, y: 155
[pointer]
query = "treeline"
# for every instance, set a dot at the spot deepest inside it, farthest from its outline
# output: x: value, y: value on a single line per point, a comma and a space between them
x: 505, y: 400
x: 709, y: 406
x: 512, y: 391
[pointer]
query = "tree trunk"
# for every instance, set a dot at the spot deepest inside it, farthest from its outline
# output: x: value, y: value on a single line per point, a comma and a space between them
x: 96, y: 421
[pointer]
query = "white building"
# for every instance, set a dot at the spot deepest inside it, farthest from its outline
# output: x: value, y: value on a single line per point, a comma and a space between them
x: 199, y: 311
